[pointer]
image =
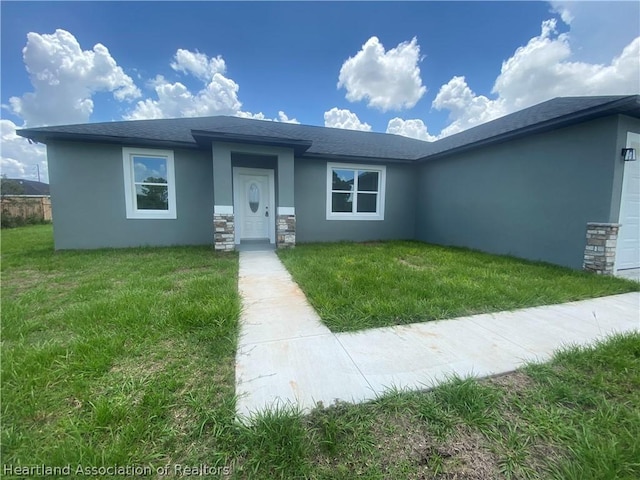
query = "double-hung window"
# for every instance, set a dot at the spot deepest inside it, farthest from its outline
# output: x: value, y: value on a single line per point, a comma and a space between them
x: 355, y: 192
x: 149, y: 183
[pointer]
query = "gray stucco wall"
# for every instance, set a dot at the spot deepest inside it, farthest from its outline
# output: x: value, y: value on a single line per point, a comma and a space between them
x: 221, y: 171
x: 311, y: 195
x: 286, y: 180
x: 229, y: 155
x: 530, y: 197
x: 87, y: 193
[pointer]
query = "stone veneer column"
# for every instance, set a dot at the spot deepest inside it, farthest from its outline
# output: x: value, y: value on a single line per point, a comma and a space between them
x: 600, y: 251
x: 224, y: 232
x: 286, y: 231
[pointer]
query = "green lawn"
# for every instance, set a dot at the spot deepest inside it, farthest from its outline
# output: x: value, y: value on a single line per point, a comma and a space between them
x: 355, y: 286
x: 115, y: 356
x: 126, y: 357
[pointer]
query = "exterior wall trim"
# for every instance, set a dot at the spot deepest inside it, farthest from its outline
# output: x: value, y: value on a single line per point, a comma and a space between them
x: 286, y: 211
x: 253, y: 149
x: 132, y: 211
x: 223, y: 209
x: 382, y: 179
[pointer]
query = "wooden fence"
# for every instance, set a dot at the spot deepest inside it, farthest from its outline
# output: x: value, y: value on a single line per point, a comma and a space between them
x: 27, y: 207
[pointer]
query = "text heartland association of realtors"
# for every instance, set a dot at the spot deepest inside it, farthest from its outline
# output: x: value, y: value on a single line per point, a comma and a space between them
x: 113, y: 470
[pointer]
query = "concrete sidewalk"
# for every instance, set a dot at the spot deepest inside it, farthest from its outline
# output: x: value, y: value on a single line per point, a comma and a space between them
x: 286, y: 356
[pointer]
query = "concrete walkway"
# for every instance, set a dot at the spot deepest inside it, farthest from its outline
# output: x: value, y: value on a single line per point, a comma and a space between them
x: 286, y: 356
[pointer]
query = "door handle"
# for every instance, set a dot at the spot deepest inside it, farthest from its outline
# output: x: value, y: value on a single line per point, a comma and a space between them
x: 266, y: 211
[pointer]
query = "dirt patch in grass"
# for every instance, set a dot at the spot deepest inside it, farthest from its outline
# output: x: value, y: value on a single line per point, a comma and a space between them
x: 139, y: 369
x: 130, y: 375
x: 540, y: 455
x: 513, y: 381
x: 464, y: 454
x: 400, y: 439
x: 408, y: 263
x: 198, y: 268
x: 74, y: 403
x: 182, y: 418
x: 16, y: 283
x: 168, y: 355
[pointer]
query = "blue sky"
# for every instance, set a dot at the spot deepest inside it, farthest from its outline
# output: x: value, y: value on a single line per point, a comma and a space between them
x: 420, y: 69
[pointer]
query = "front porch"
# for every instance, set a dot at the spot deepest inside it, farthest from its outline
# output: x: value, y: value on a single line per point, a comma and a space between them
x: 253, y: 197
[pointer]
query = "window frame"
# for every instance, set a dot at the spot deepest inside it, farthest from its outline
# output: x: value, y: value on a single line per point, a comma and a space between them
x: 130, y: 194
x: 355, y: 215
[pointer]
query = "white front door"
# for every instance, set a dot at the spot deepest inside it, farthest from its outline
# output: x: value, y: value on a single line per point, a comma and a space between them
x: 253, y: 198
x: 628, y: 245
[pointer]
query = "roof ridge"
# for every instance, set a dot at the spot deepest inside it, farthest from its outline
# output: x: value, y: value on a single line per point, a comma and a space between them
x: 335, y: 142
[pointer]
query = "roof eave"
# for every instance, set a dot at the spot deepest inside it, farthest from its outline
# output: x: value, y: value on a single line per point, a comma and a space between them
x: 612, y: 108
x: 356, y: 158
x: 204, y: 137
x: 47, y: 137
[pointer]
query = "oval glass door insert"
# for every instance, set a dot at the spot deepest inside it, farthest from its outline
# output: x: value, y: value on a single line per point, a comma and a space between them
x: 254, y: 197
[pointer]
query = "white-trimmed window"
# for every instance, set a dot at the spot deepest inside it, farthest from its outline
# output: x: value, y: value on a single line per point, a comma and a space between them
x: 149, y: 183
x: 355, y: 192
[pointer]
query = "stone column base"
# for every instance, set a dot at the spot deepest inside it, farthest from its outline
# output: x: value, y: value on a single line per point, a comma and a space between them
x: 286, y: 231
x: 600, y: 250
x: 224, y: 236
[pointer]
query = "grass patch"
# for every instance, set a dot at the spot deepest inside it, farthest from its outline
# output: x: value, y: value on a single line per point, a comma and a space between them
x: 115, y: 356
x: 357, y: 286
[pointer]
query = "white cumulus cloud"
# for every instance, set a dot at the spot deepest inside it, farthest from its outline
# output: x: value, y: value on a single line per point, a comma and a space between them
x: 282, y: 117
x: 219, y: 96
x: 466, y: 109
x: 18, y: 158
x: 540, y: 70
x: 598, y: 31
x: 412, y: 128
x: 543, y: 69
x: 198, y: 64
x: 388, y: 80
x: 342, y: 118
x: 562, y: 9
x: 65, y: 77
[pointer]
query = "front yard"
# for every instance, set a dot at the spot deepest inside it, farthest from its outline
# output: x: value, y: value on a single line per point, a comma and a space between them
x: 354, y: 286
x: 126, y: 358
x: 115, y: 356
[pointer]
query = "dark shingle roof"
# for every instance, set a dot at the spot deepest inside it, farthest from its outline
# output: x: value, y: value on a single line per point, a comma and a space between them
x: 332, y: 142
x: 31, y: 187
x: 179, y: 132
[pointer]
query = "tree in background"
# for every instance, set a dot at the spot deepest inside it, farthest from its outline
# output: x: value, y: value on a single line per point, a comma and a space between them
x: 10, y: 186
x: 154, y: 197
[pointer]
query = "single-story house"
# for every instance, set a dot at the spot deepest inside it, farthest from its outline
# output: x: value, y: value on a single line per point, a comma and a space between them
x: 552, y: 182
x: 28, y: 188
x: 24, y: 199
